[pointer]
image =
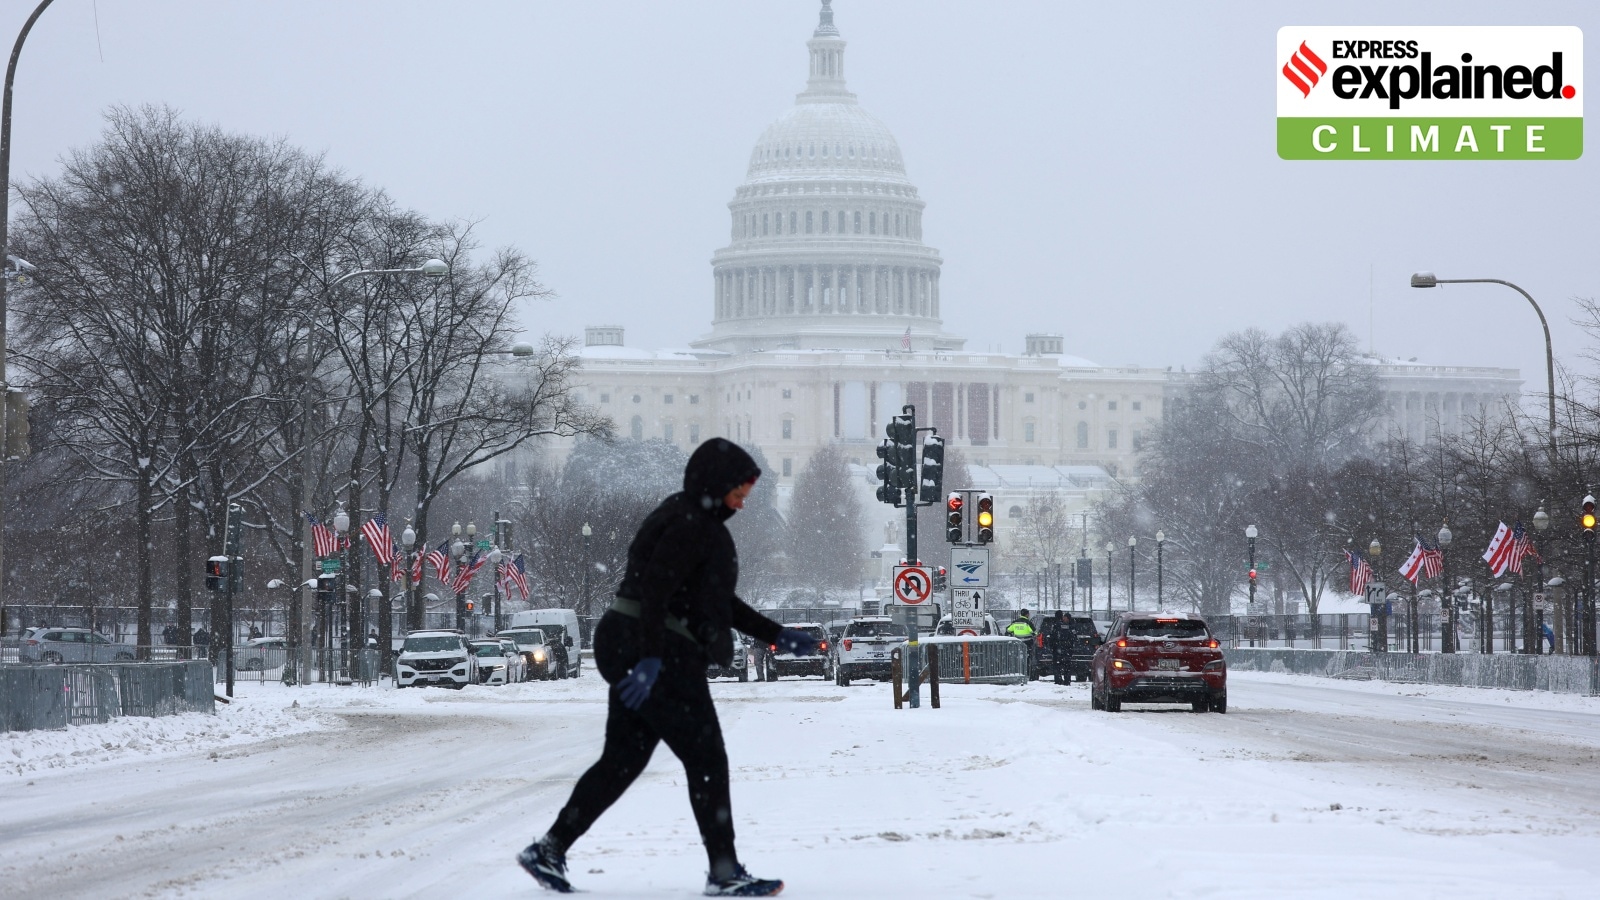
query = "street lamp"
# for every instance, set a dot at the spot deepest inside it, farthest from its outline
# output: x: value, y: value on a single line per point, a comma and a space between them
x: 494, y: 566
x: 1250, y: 534
x: 1533, y: 609
x: 1132, y: 557
x: 341, y: 529
x: 587, y: 565
x: 5, y: 218
x: 1428, y: 280
x: 1447, y: 625
x: 1110, y: 549
x: 408, y: 543
x: 1161, y: 541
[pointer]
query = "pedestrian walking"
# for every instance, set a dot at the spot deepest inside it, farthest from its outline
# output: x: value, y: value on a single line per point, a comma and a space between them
x: 672, y: 614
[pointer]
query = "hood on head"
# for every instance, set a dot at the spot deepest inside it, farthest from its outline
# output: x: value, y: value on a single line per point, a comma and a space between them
x: 715, y: 468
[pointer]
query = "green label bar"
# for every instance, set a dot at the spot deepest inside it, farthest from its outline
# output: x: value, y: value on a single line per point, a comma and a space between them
x: 1427, y: 138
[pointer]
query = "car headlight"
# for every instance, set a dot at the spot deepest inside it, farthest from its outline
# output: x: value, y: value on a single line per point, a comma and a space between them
x: 538, y: 654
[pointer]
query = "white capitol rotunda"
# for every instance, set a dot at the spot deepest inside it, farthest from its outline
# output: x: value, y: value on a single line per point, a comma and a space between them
x: 826, y: 231
x: 827, y: 318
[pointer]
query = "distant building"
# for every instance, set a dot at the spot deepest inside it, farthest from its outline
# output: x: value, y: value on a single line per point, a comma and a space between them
x: 826, y: 319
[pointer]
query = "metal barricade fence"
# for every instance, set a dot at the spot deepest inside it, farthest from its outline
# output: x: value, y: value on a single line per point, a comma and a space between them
x: 1557, y: 674
x: 55, y: 696
x: 304, y: 666
x: 980, y: 660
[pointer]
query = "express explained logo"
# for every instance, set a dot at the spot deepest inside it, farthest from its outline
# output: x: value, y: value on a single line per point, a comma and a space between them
x: 1430, y: 92
x: 1304, y: 69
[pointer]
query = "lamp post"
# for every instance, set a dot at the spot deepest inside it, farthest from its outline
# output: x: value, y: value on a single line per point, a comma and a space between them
x: 1110, y: 549
x: 408, y: 544
x: 1444, y: 537
x: 341, y: 530
x: 1133, y: 542
x: 1535, y: 603
x: 458, y: 551
x: 1250, y: 534
x: 1428, y: 280
x: 494, y: 569
x: 1161, y: 541
x: 587, y: 565
x: 5, y: 218
x: 1380, y: 617
x: 1447, y: 625
x: 433, y: 268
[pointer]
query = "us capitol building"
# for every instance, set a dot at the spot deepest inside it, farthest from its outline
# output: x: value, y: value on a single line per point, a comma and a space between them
x: 826, y: 318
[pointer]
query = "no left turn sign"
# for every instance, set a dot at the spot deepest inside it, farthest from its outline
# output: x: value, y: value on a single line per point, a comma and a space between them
x: 912, y: 584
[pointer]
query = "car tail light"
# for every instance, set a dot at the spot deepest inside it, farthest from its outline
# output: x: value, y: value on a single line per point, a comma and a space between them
x: 31, y: 642
x: 1122, y: 642
x: 773, y: 648
x: 847, y: 645
x: 823, y: 645
x: 1038, y: 640
x: 1121, y: 664
x: 1213, y: 644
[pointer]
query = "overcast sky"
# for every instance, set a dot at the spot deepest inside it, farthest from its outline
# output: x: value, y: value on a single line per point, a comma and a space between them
x: 1104, y: 170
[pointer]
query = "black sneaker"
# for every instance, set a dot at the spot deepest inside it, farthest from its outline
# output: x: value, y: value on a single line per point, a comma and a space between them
x: 743, y: 884
x: 547, y: 863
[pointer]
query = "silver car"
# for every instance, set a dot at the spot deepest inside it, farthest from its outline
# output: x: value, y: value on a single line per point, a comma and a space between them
x: 72, y: 645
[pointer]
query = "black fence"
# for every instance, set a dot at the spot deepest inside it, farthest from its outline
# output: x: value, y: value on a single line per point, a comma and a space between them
x: 35, y: 697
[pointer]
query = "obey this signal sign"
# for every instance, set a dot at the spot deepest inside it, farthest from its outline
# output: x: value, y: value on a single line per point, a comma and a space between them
x: 912, y: 584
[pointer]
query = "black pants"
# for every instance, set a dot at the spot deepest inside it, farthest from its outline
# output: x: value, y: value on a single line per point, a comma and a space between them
x: 679, y: 712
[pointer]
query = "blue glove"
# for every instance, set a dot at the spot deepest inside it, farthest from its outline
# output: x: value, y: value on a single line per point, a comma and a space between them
x: 635, y: 687
x: 793, y: 640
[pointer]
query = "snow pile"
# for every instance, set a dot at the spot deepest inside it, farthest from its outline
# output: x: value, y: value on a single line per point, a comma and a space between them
x: 245, y: 721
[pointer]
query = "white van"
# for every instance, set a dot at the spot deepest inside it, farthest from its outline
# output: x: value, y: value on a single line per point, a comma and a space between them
x: 561, y: 627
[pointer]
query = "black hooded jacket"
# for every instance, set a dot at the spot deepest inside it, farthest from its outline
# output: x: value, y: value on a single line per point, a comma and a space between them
x: 683, y: 562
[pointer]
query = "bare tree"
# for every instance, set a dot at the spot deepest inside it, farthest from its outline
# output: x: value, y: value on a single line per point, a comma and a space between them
x: 826, y: 523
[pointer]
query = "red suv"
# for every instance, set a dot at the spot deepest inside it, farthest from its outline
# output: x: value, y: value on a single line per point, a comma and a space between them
x: 1159, y: 658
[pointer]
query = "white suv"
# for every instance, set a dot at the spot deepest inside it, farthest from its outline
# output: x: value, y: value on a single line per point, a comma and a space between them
x: 435, y: 657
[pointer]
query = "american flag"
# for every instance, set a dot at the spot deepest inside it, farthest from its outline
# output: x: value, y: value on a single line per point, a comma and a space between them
x: 1500, y: 554
x: 1432, y: 559
x: 397, y: 563
x: 439, y: 558
x: 1360, y: 573
x: 905, y: 339
x: 324, y: 540
x: 517, y: 574
x: 468, y: 569
x: 376, y: 530
x: 417, y: 557
x: 1521, y: 546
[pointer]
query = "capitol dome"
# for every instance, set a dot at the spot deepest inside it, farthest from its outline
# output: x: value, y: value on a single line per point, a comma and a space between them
x: 826, y: 244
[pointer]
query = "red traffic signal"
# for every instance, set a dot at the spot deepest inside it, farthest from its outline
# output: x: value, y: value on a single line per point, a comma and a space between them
x: 1252, y: 574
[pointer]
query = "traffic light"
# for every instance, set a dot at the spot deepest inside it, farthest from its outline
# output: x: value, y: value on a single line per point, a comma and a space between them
x: 888, y: 474
x: 953, y: 531
x: 217, y: 569
x: 469, y: 604
x: 1588, y: 517
x: 985, y: 518
x: 1252, y: 576
x: 325, y: 592
x: 941, y: 578
x: 932, y: 469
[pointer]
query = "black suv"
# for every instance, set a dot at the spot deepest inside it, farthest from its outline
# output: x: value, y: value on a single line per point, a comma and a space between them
x: 1076, y: 639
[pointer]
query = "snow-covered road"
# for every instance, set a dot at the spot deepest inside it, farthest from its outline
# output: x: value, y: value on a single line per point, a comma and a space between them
x: 1307, y: 788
